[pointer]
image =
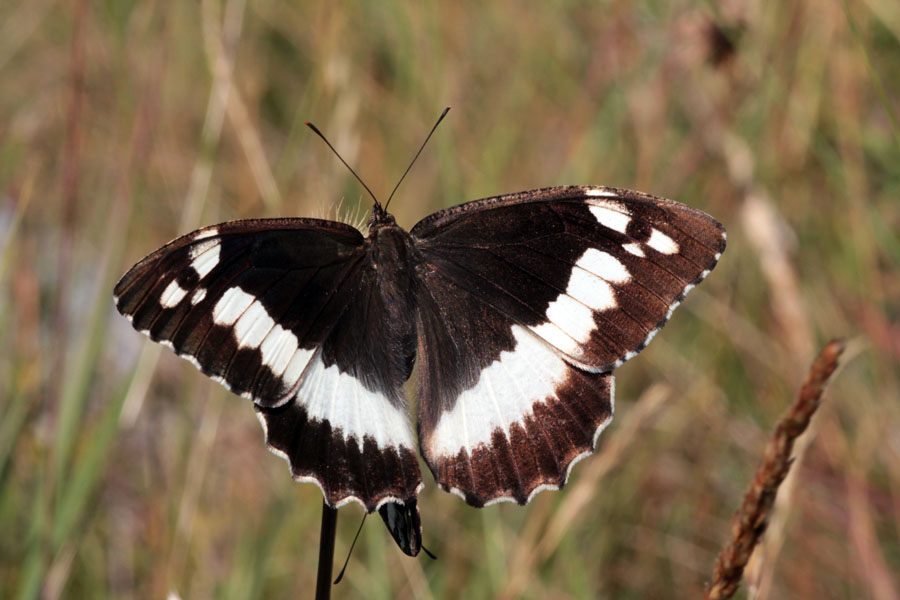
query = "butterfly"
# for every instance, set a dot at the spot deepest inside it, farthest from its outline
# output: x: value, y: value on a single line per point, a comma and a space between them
x: 518, y: 308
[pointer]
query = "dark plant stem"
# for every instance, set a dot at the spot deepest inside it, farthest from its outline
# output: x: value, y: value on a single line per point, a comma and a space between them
x: 751, y: 519
x: 326, y: 552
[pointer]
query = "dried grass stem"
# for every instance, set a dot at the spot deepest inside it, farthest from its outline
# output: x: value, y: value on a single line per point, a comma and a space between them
x: 751, y: 519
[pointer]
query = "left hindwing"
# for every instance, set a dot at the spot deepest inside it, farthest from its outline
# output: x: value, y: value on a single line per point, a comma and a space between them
x: 528, y: 301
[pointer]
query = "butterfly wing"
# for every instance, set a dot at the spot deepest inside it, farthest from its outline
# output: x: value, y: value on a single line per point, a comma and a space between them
x: 527, y: 303
x: 277, y: 311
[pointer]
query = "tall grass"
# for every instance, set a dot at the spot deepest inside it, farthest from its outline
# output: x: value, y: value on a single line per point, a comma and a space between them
x: 125, y: 473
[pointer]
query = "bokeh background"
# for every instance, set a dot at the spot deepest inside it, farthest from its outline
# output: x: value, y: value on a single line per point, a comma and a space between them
x: 125, y: 123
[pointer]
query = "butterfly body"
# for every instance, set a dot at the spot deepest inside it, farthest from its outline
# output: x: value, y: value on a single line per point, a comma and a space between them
x: 517, y: 308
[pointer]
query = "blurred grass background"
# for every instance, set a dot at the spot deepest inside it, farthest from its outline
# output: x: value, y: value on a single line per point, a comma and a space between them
x: 126, y: 474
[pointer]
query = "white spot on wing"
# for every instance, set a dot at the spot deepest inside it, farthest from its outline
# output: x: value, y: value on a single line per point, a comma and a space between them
x: 660, y: 242
x: 329, y: 395
x: 205, y: 257
x: 253, y: 326
x: 294, y: 370
x: 570, y: 317
x: 601, y: 193
x: 207, y: 233
x: 556, y: 337
x: 611, y: 214
x: 231, y: 306
x: 278, y: 348
x: 591, y: 290
x: 604, y: 265
x: 198, y: 296
x: 573, y: 317
x: 635, y: 249
x: 527, y: 374
x: 172, y: 295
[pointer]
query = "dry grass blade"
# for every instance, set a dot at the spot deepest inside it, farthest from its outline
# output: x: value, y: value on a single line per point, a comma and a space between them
x: 750, y: 521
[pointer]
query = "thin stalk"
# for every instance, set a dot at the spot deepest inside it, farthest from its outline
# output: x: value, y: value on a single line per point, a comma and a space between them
x: 326, y: 552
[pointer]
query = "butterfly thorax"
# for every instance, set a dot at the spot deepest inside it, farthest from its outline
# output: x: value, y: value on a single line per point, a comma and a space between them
x: 391, y: 251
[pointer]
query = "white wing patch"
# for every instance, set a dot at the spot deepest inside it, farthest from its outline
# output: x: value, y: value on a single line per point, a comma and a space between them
x: 604, y: 265
x: 255, y: 328
x: 662, y: 243
x: 207, y: 233
x: 231, y: 306
x: 611, y: 214
x: 172, y: 295
x: 506, y: 393
x: 616, y: 216
x: 345, y: 403
x: 570, y: 317
x: 295, y: 368
x: 278, y: 348
x: 601, y: 193
x: 205, y: 257
x: 590, y: 290
x: 556, y: 337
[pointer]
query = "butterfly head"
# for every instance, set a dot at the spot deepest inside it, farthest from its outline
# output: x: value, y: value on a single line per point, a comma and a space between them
x: 380, y: 218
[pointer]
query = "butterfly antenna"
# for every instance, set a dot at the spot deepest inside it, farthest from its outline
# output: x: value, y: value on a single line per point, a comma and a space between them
x: 440, y: 118
x: 341, y: 158
x: 346, y: 562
